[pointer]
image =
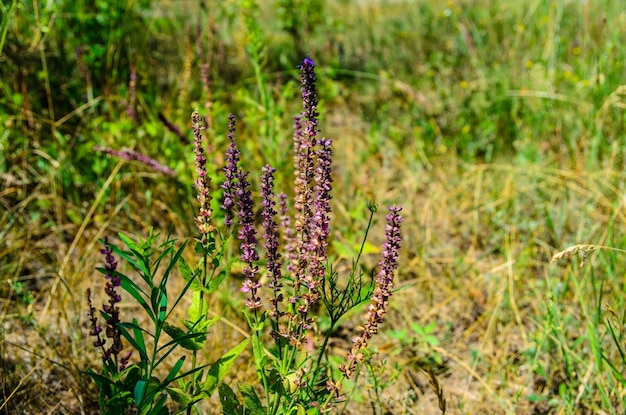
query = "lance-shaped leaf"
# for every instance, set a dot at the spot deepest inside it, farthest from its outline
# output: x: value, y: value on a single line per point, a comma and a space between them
x: 189, y: 275
x: 219, y: 369
x: 187, y: 340
x: 251, y: 400
x: 230, y: 403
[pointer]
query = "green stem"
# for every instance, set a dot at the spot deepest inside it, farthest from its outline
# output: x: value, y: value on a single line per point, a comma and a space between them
x: 192, y: 390
x: 5, y: 24
x: 335, y: 319
x: 367, y: 230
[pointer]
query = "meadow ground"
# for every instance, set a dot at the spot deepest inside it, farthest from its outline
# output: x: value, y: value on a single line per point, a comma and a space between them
x: 497, y: 125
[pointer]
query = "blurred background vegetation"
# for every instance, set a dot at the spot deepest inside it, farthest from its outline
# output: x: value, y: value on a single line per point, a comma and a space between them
x: 499, y: 125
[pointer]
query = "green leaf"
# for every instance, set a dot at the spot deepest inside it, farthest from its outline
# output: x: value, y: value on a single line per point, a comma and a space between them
x: 229, y: 401
x: 132, y: 259
x: 172, y: 264
x: 616, y: 372
x: 130, y: 244
x: 102, y: 381
x: 257, y: 351
x: 199, y: 376
x: 277, y: 383
x: 258, y: 323
x: 131, y: 288
x: 141, y: 348
x: 188, y: 275
x: 312, y: 411
x: 397, y: 334
x: 159, y: 407
x: 140, y: 391
x: 251, y: 400
x: 165, y: 251
x: 199, y: 249
x: 219, y: 369
x: 184, y: 339
x: 215, y: 282
x: 151, y: 128
x: 201, y: 325
x: 288, y: 384
x: 541, y: 371
x: 170, y: 376
x: 190, y: 373
x: 369, y: 248
x: 146, y: 244
x: 179, y: 396
x: 163, y: 306
x: 137, y: 331
x: 432, y: 340
x: 345, y: 250
x: 135, y: 257
x: 417, y: 329
x: 133, y: 375
x: 158, y: 298
x: 174, y: 332
x: 198, y: 307
x: 197, y: 331
x: 153, y: 388
x: 118, y: 402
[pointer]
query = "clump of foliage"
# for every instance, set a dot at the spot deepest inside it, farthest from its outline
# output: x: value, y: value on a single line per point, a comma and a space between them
x: 294, y: 373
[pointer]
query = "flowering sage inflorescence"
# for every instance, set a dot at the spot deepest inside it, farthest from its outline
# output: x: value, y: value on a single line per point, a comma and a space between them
x: 379, y: 302
x: 111, y: 309
x: 203, y: 182
x: 230, y: 173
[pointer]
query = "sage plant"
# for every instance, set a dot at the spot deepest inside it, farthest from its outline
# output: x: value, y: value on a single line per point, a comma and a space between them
x: 288, y: 281
x: 111, y: 311
x: 203, y: 182
x: 294, y: 372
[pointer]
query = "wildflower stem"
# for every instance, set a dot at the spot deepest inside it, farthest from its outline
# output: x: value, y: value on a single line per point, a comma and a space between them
x: 335, y: 316
x: 367, y: 230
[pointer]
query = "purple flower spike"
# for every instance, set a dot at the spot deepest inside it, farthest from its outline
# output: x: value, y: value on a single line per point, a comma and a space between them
x: 321, y: 219
x: 231, y: 173
x: 203, y: 182
x: 286, y: 230
x: 312, y: 187
x: 112, y: 331
x: 309, y: 97
x: 304, y: 164
x: 304, y: 159
x: 271, y: 239
x: 96, y: 328
x: 247, y: 236
x: 307, y: 61
x: 379, y: 302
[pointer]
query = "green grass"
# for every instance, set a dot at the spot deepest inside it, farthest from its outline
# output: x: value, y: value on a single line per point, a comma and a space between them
x: 498, y: 125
